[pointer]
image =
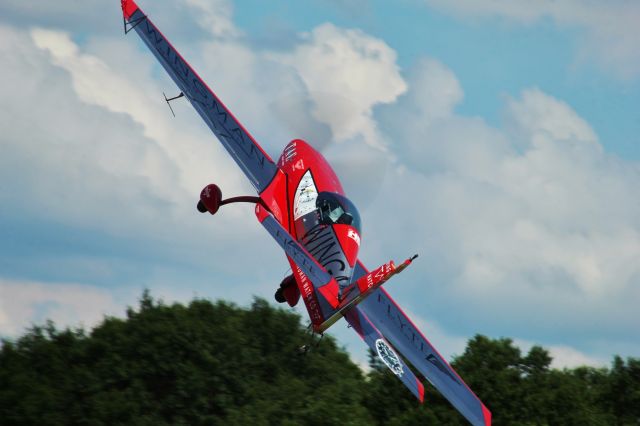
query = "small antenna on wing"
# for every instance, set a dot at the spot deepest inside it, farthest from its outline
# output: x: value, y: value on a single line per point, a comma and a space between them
x: 171, y: 99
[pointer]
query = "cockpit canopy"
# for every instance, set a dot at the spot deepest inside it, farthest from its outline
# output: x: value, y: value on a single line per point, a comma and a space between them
x: 334, y: 208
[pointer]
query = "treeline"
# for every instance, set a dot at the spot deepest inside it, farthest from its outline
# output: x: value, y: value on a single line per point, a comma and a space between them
x: 216, y: 363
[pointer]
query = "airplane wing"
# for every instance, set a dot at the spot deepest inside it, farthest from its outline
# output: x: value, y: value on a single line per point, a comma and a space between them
x: 307, y: 263
x: 311, y: 271
x: 372, y: 336
x: 252, y: 159
x: 387, y: 317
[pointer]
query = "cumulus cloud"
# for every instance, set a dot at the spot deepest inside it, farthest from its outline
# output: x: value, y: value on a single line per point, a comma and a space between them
x: 88, y: 15
x: 215, y: 16
x: 99, y: 154
x: 611, y: 27
x: 100, y: 169
x: 23, y: 303
x: 337, y: 64
x: 97, y: 83
x: 565, y: 356
x: 540, y: 115
x: 532, y: 222
x: 526, y: 230
x: 450, y: 346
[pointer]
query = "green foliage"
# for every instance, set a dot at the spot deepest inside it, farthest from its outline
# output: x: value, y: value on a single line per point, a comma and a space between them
x: 216, y: 363
x: 204, y: 363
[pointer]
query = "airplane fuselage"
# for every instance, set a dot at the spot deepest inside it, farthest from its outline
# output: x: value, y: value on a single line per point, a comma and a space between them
x: 305, y: 181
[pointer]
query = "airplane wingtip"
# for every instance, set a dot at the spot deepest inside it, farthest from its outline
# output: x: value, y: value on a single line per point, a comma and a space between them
x: 486, y: 414
x: 420, y: 391
x: 129, y: 7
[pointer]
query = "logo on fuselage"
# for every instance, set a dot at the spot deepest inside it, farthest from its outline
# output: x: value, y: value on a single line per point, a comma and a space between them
x: 354, y: 236
x: 389, y: 357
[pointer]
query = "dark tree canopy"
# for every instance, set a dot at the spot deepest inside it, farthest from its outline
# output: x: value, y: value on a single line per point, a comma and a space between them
x: 216, y: 363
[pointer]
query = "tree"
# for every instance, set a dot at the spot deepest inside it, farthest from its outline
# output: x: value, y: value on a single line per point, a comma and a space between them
x: 203, y: 363
x: 216, y: 363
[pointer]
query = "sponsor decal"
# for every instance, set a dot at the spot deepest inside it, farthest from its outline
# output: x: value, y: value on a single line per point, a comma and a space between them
x: 321, y: 243
x: 411, y: 335
x: 289, y: 153
x: 309, y: 297
x: 369, y: 281
x: 298, y: 165
x: 305, y: 199
x: 389, y: 357
x: 354, y: 236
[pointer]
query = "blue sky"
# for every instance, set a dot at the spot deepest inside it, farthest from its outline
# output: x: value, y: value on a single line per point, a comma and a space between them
x: 498, y: 140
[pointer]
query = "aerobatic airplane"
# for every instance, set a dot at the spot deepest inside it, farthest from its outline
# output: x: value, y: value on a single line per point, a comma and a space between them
x: 302, y: 205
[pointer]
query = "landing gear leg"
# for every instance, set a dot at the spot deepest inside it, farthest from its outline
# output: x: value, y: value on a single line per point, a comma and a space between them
x: 313, y: 343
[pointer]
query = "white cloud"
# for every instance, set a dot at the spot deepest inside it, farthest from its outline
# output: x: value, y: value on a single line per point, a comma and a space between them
x: 98, y: 166
x: 99, y: 154
x: 564, y: 356
x: 449, y: 346
x: 435, y: 90
x: 427, y: 134
x: 529, y: 230
x: 611, y: 27
x: 541, y: 115
x: 215, y: 16
x: 88, y: 15
x: 97, y: 83
x: 337, y: 64
x: 567, y: 357
x: 23, y: 303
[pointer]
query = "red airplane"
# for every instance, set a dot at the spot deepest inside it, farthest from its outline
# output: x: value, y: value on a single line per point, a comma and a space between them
x: 302, y: 204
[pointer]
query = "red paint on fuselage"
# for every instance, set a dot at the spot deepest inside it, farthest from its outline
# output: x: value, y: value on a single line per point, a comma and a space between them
x: 298, y: 158
x: 129, y: 7
x: 349, y: 241
x: 274, y: 197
